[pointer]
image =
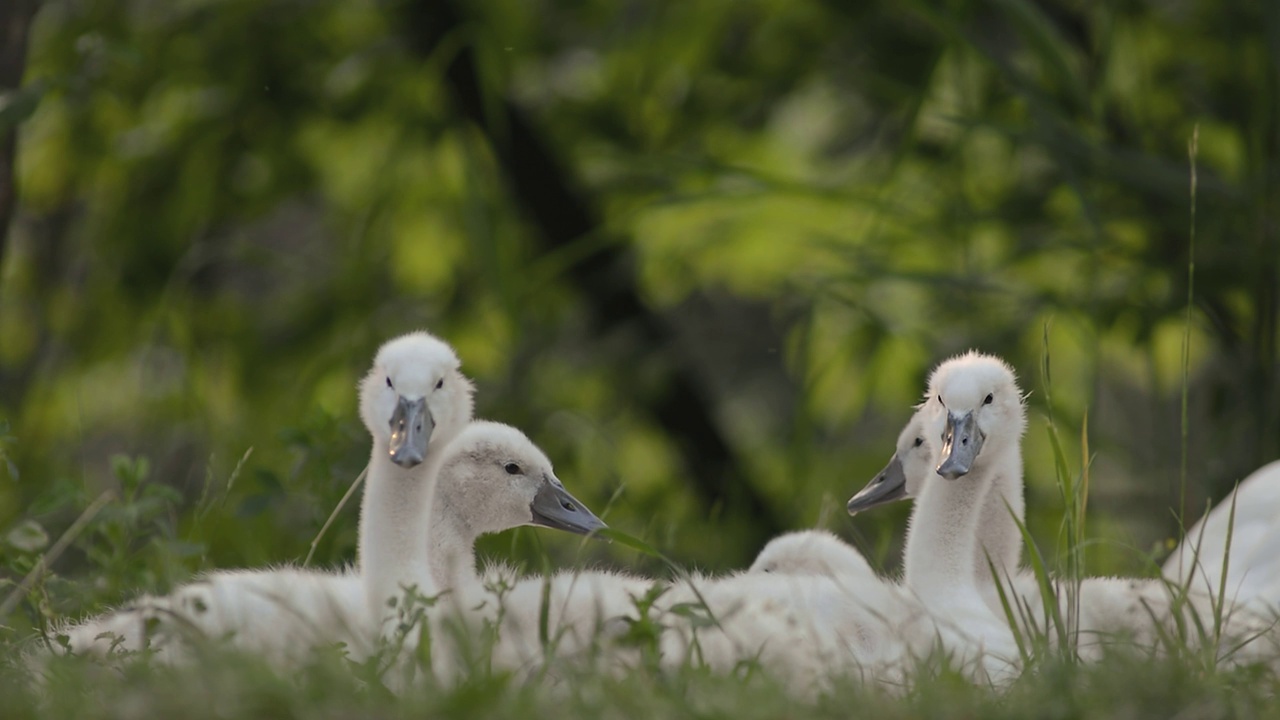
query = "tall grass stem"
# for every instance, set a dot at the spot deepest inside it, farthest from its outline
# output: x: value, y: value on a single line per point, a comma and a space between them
x: 1193, y: 149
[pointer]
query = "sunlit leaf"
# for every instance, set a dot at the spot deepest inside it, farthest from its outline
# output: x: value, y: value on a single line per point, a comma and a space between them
x: 27, y: 536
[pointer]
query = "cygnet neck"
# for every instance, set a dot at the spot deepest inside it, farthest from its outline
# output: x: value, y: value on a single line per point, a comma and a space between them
x: 451, y: 539
x: 393, y: 518
x: 942, y: 540
x: 998, y: 535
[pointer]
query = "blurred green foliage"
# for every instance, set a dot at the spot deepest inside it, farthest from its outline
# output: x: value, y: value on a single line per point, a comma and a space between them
x: 226, y: 205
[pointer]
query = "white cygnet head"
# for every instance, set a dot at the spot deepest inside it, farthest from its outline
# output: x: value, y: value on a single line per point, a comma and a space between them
x: 413, y: 396
x: 811, y: 552
x: 979, y: 412
x: 496, y: 479
x: 912, y: 463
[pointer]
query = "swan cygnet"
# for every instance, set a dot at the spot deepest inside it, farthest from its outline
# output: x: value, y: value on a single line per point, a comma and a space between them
x: 984, y: 419
x: 1111, y: 609
x: 912, y: 468
x: 808, y: 623
x: 573, y: 607
x: 812, y: 552
x: 810, y: 608
x: 975, y: 408
x: 478, y: 491
x: 496, y: 480
x: 912, y: 465
x: 803, y: 627
x: 413, y: 402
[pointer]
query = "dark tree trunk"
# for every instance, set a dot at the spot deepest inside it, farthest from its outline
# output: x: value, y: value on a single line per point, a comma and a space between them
x: 15, y: 21
x: 563, y: 215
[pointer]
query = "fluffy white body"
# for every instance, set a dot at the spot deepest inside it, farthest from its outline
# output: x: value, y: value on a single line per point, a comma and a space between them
x: 831, y: 611
x: 811, y: 604
x: 479, y: 478
x: 305, y: 609
x: 1249, y: 561
x: 413, y: 402
x: 286, y: 613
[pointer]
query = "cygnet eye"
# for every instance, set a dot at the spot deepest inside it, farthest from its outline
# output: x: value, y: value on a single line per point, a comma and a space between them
x: 512, y: 469
x: 917, y: 443
x: 389, y: 383
x: 990, y: 397
x: 440, y: 384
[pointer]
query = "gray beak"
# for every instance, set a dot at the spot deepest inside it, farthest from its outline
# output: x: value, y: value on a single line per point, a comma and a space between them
x: 888, y: 486
x: 554, y: 507
x: 961, y: 443
x: 411, y: 426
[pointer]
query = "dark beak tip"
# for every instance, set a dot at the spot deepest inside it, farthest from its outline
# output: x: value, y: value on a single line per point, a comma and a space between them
x: 949, y: 473
x: 407, y: 462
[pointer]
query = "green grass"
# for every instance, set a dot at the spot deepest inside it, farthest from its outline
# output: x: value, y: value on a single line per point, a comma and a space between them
x: 221, y: 683
x: 1182, y: 679
x: 225, y: 684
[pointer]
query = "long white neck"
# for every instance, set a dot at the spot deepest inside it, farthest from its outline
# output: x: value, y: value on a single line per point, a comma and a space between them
x: 393, y: 520
x: 451, y: 539
x: 998, y: 535
x: 942, y: 538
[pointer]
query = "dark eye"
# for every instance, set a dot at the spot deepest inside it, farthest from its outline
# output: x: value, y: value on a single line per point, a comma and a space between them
x: 440, y: 384
x: 389, y: 383
x: 512, y: 469
x: 990, y: 397
x: 918, y: 442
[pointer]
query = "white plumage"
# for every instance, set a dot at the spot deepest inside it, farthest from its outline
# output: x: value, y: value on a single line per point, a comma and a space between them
x: 413, y: 402
x: 1129, y: 610
x: 473, y: 479
x: 1252, y: 562
x: 812, y: 552
x: 812, y: 620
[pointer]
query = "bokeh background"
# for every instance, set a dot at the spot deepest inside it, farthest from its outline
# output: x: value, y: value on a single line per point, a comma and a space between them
x: 704, y: 253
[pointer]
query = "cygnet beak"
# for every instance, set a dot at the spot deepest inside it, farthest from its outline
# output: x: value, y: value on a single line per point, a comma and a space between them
x: 888, y: 486
x: 961, y: 442
x: 554, y: 507
x: 411, y: 426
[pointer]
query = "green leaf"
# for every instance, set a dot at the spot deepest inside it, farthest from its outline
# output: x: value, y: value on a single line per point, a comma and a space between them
x: 696, y: 613
x: 27, y: 536
x: 629, y: 541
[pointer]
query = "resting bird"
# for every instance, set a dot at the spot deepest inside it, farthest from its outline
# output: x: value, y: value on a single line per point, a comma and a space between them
x: 488, y: 478
x: 1125, y: 610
